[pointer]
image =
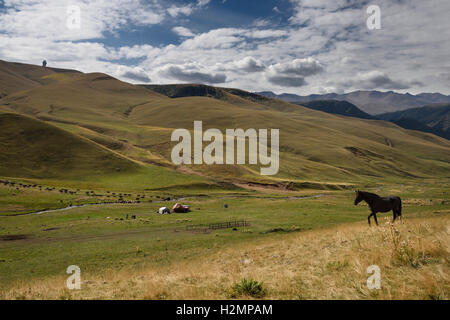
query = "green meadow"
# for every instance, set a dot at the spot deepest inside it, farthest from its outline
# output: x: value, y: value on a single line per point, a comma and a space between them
x: 105, y: 238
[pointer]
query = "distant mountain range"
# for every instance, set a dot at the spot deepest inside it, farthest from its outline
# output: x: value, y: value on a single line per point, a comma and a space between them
x: 371, y: 102
x: 344, y: 108
x: 434, y: 118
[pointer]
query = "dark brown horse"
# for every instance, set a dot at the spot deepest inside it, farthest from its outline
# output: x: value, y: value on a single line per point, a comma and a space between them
x: 380, y: 204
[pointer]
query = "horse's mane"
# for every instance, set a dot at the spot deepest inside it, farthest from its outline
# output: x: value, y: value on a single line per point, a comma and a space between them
x: 372, y: 195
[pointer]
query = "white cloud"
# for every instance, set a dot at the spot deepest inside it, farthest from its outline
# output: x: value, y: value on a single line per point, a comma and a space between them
x: 267, y: 33
x: 191, y: 72
x: 183, y: 32
x: 48, y: 19
x: 250, y: 64
x: 175, y: 11
x: 30, y: 49
x: 293, y: 73
x: 376, y: 79
x: 400, y: 53
x: 298, y: 67
x: 135, y: 74
x: 136, y: 51
x: 202, y: 3
x: 245, y: 65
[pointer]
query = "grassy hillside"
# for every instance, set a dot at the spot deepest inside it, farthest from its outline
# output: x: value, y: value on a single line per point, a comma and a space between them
x: 33, y: 149
x: 233, y: 96
x: 79, y: 97
x: 136, y: 122
x: 20, y: 76
x: 435, y: 117
x: 314, y: 145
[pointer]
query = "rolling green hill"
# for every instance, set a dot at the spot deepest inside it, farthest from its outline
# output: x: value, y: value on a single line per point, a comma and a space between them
x: 19, y: 76
x: 133, y: 124
x: 314, y: 145
x: 32, y: 148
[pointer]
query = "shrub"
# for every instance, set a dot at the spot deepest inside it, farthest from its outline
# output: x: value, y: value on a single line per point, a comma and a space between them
x: 409, y: 250
x: 248, y: 287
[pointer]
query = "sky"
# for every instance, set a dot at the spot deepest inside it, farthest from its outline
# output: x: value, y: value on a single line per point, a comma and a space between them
x: 295, y: 46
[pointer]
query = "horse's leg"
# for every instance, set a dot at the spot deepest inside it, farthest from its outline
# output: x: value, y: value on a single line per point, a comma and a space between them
x: 375, y: 217
x: 368, y: 218
x: 395, y: 215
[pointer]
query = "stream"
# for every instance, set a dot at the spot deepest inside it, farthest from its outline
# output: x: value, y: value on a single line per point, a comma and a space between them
x: 171, y: 200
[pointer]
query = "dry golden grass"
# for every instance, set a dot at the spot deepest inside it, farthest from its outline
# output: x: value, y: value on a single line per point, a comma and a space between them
x: 320, y: 264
